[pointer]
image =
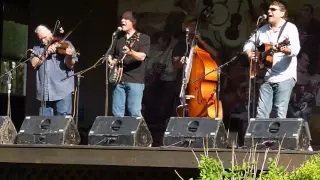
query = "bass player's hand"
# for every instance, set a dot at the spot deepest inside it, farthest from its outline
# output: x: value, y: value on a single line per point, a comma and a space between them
x: 183, y: 60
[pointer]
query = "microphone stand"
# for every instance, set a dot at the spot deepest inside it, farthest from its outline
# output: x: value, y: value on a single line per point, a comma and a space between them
x: 184, y: 81
x: 78, y: 92
x: 9, y: 92
x: 43, y: 103
x: 254, y: 71
x: 9, y: 74
x: 219, y: 73
x: 79, y: 75
x: 114, y: 36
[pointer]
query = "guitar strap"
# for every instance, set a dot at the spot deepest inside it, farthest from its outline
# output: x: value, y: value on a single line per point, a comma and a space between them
x: 281, y: 30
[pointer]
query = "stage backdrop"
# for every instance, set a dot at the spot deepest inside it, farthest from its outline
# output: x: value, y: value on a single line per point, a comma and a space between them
x: 305, y: 98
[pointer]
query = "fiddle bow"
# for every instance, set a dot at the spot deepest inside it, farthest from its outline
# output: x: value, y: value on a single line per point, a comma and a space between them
x: 61, y: 44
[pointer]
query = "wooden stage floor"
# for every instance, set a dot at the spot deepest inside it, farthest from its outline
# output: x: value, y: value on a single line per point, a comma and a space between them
x: 160, y: 157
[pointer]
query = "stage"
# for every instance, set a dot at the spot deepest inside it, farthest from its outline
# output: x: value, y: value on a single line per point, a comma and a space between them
x: 101, y: 162
x: 133, y: 156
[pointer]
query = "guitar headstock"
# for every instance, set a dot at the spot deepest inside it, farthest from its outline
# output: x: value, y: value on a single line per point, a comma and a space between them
x: 135, y: 37
x: 285, y: 42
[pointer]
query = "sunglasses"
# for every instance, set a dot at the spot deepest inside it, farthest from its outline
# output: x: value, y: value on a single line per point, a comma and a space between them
x: 273, y: 9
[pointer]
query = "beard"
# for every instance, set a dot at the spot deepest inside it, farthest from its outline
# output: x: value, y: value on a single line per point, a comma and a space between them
x: 46, y: 41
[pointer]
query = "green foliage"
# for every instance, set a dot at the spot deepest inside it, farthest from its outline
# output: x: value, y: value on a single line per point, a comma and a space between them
x: 275, y: 172
x: 310, y: 170
x: 212, y: 169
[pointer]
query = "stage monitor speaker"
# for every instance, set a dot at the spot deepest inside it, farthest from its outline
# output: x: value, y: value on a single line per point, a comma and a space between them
x: 120, y: 131
x: 8, y: 132
x: 193, y: 131
x: 294, y: 134
x: 55, y: 130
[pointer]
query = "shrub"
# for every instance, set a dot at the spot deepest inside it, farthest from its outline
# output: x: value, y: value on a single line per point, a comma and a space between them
x: 310, y: 170
x: 213, y: 169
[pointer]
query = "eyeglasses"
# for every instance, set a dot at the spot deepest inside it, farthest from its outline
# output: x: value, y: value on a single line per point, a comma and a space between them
x: 273, y: 9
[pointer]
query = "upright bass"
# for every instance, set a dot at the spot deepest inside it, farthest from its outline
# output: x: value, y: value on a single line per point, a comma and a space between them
x: 199, y: 99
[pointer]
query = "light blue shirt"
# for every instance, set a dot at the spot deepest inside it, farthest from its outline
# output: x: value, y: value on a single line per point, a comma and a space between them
x: 284, y: 66
x: 56, y: 70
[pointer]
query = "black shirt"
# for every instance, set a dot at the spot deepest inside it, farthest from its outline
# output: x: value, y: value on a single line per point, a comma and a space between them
x: 133, y: 70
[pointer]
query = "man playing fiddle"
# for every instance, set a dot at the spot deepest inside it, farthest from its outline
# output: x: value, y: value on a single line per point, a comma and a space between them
x: 275, y: 91
x: 56, y: 91
x: 127, y: 95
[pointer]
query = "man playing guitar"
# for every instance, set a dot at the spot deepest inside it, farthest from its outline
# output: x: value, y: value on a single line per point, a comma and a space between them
x: 275, y: 91
x: 127, y: 95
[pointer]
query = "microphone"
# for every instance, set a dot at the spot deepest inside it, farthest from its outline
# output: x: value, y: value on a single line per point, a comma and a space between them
x: 61, y: 30
x: 263, y: 17
x: 260, y: 19
x: 119, y: 29
x: 34, y: 54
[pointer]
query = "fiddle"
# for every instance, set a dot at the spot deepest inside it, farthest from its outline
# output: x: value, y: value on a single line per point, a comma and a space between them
x: 56, y: 45
x: 62, y: 46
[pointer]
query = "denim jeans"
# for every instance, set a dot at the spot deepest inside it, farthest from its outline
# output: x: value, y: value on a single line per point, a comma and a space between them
x: 58, y: 108
x: 127, y: 96
x: 276, y: 97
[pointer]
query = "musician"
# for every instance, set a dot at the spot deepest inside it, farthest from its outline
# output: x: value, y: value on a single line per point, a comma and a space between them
x: 203, y: 43
x: 275, y: 91
x: 57, y: 93
x: 127, y: 95
x: 183, y: 9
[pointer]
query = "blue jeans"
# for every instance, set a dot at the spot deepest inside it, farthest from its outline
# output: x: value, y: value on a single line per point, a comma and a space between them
x: 276, y: 97
x: 59, y: 107
x: 127, y: 96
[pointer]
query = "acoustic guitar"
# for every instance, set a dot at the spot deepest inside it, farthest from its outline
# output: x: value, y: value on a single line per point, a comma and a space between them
x: 265, y: 57
x: 116, y: 71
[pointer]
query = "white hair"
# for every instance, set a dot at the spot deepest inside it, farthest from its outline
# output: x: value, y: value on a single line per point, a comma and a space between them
x: 41, y: 28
